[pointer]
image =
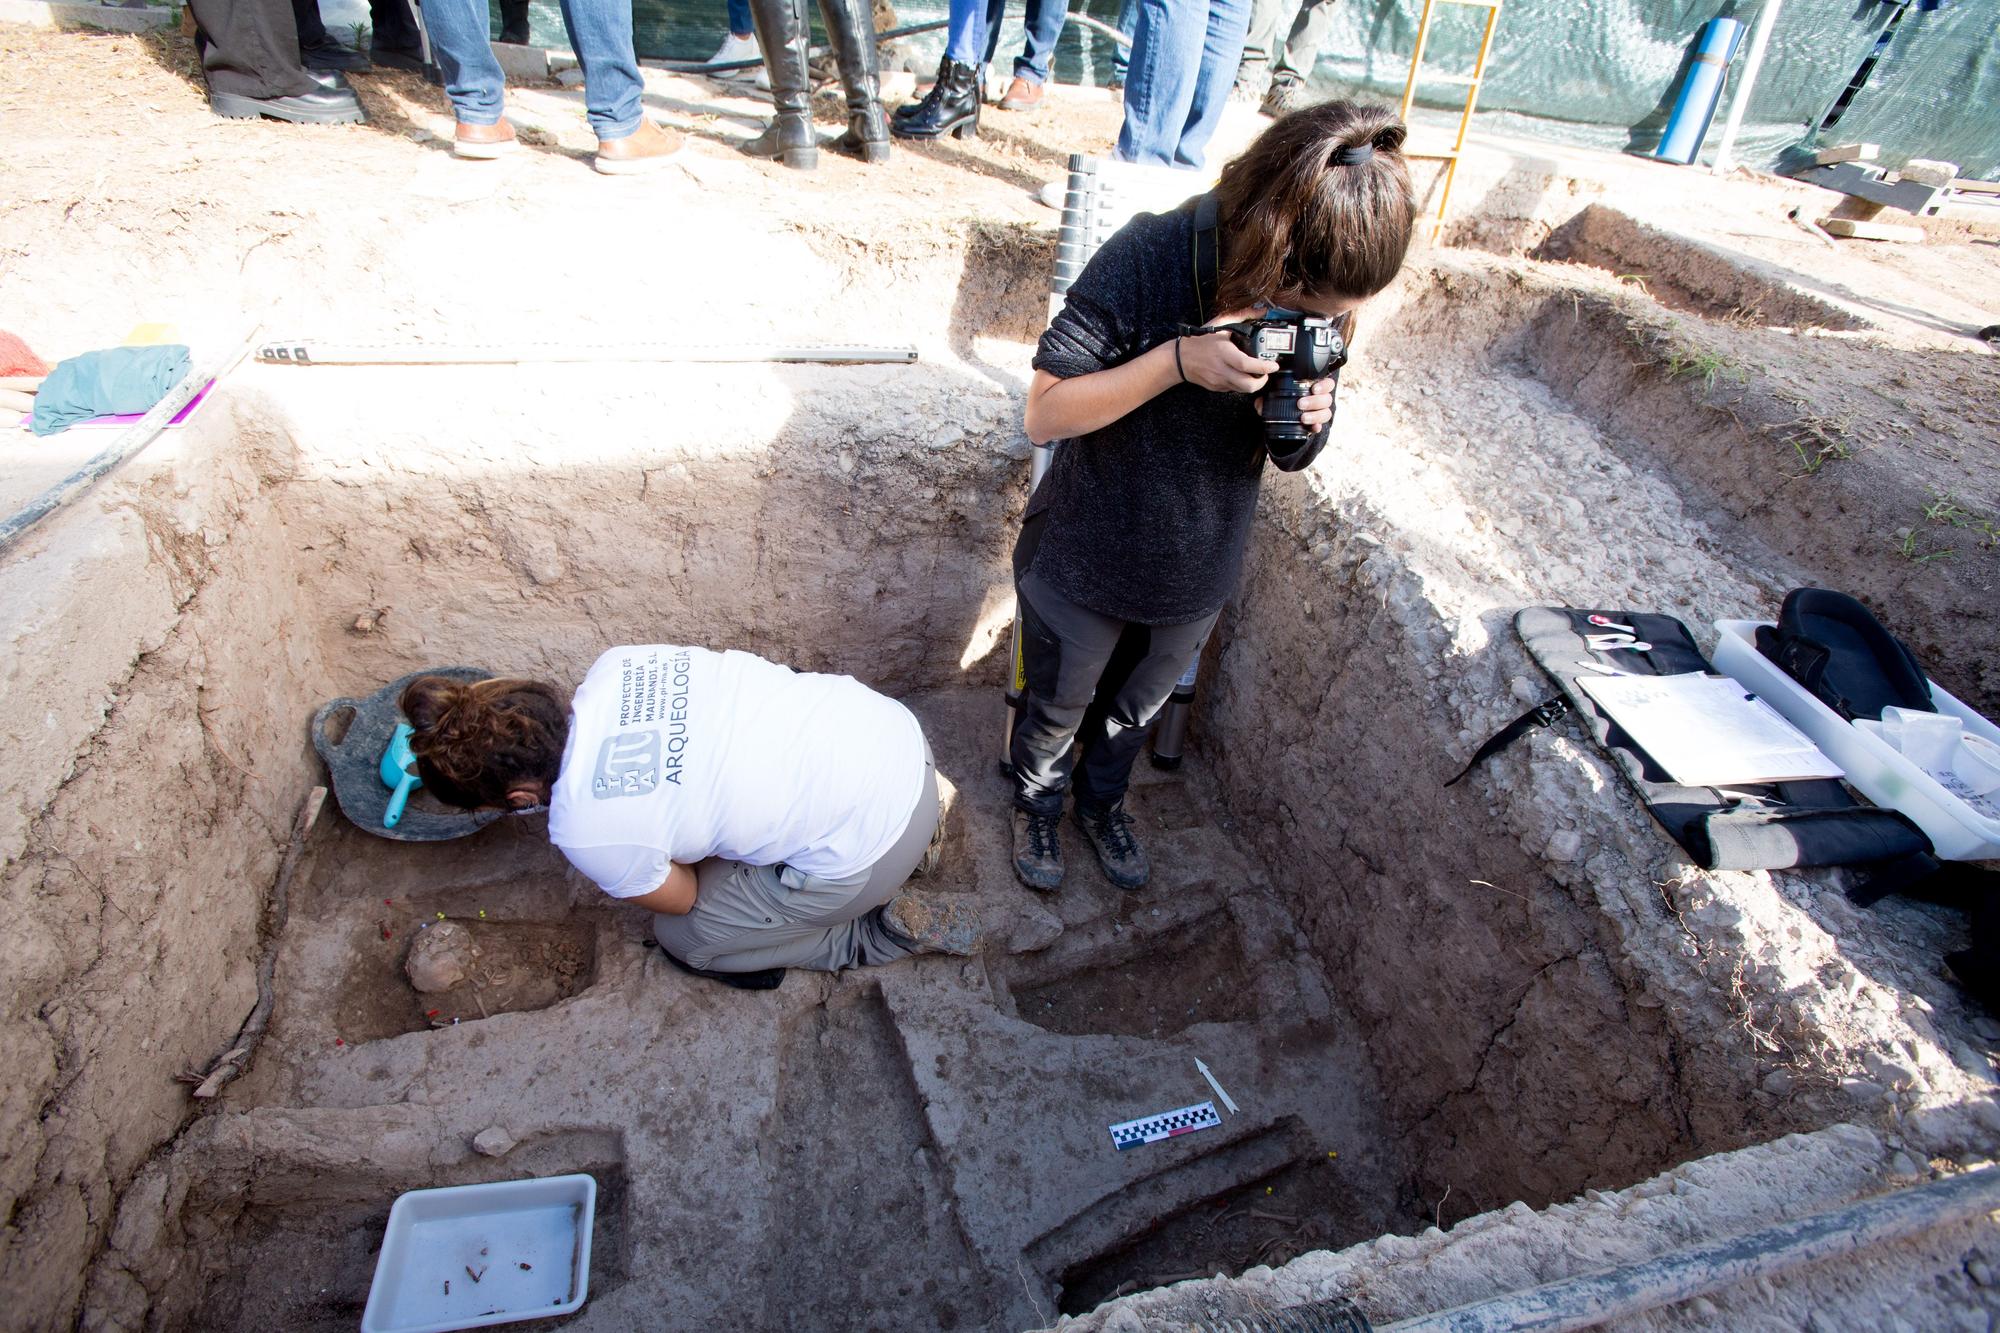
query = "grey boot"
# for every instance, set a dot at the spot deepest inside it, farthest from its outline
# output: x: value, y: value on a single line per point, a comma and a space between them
x: 1038, y: 850
x: 781, y: 32
x: 850, y: 31
x: 1110, y: 834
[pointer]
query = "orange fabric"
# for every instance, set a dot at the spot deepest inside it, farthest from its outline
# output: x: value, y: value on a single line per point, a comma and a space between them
x: 17, y: 359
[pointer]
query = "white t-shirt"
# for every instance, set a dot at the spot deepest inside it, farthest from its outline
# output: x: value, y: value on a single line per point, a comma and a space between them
x: 680, y: 754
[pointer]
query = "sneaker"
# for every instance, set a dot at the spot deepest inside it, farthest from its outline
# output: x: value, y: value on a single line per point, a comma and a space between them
x: 1110, y: 834
x: 736, y: 48
x: 933, y: 924
x: 1053, y: 195
x: 1038, y: 850
x: 642, y: 150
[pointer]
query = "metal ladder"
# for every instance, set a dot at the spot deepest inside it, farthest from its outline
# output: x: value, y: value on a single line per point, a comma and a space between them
x: 1470, y: 82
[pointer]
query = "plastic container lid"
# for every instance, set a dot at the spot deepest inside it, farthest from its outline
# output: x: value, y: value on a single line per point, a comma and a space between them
x: 1959, y: 829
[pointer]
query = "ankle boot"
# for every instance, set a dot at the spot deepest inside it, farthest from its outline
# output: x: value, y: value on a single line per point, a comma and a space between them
x: 908, y: 109
x: 781, y: 32
x: 952, y: 106
x: 850, y: 31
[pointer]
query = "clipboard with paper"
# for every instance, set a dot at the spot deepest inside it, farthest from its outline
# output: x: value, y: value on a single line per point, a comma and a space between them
x: 1708, y: 731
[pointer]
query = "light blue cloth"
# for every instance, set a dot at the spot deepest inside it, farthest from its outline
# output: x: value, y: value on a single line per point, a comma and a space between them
x: 116, y: 379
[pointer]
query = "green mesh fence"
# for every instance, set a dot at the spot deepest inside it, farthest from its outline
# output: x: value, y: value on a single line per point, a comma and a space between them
x: 1605, y: 72
x: 1596, y: 72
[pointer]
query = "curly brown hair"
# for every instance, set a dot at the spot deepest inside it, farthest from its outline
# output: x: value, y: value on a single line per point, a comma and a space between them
x: 1296, y: 220
x: 477, y: 741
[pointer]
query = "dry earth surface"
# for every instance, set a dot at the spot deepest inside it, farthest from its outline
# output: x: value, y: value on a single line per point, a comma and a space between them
x: 1625, y: 385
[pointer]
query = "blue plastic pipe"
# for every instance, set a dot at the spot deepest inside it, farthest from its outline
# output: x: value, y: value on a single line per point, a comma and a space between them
x: 1694, y: 110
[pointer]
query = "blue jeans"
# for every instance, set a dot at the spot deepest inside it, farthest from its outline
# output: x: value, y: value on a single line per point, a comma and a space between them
x: 1045, y: 24
x: 1184, y: 57
x: 965, y: 32
x: 600, y: 30
x: 739, y: 18
x: 1128, y: 23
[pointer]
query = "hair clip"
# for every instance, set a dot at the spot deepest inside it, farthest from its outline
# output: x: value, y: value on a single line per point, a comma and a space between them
x: 1354, y: 155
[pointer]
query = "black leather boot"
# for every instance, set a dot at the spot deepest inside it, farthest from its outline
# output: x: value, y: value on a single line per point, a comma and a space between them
x: 850, y: 31
x: 514, y: 21
x: 781, y: 32
x: 952, y: 106
x: 908, y: 109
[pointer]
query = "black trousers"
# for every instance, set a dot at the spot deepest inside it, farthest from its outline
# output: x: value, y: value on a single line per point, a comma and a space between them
x: 250, y: 48
x: 394, y: 25
x: 1092, y: 681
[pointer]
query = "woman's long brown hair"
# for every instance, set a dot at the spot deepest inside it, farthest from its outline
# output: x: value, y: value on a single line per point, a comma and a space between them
x: 1295, y: 220
x: 476, y: 741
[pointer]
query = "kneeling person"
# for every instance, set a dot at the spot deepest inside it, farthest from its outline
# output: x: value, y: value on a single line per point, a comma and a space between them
x: 768, y: 817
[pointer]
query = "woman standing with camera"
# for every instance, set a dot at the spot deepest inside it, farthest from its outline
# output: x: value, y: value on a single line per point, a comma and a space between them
x: 1135, y: 537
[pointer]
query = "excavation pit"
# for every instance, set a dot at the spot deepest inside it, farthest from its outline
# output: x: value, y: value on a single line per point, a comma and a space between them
x: 1153, y: 986
x: 1428, y: 1004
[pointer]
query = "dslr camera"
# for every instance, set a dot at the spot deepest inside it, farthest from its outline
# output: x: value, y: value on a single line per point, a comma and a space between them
x: 1307, y: 348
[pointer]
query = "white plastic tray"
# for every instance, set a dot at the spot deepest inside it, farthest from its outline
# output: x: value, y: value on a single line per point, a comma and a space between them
x: 1876, y: 769
x: 529, y: 1241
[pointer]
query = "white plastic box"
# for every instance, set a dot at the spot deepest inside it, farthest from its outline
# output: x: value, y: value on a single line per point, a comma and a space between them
x: 528, y: 1240
x: 1876, y: 769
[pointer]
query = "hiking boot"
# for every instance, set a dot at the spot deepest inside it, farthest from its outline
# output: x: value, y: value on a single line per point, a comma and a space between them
x: 1038, y: 850
x: 1110, y: 834
x: 1284, y: 97
x: 933, y: 924
x: 642, y: 150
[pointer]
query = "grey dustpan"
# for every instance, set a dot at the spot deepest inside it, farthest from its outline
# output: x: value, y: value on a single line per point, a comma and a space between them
x: 355, y: 763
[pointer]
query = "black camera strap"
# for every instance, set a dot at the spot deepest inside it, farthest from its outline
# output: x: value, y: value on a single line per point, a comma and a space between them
x: 1207, y: 263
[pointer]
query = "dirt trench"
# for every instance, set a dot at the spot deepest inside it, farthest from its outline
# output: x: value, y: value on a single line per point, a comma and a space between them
x: 1429, y: 1004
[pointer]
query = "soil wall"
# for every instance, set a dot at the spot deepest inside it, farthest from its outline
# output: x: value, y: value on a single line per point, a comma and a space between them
x: 159, y: 768
x: 852, y: 519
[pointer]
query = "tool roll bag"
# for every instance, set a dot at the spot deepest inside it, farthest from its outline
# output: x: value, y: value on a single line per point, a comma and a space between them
x: 1764, y: 827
